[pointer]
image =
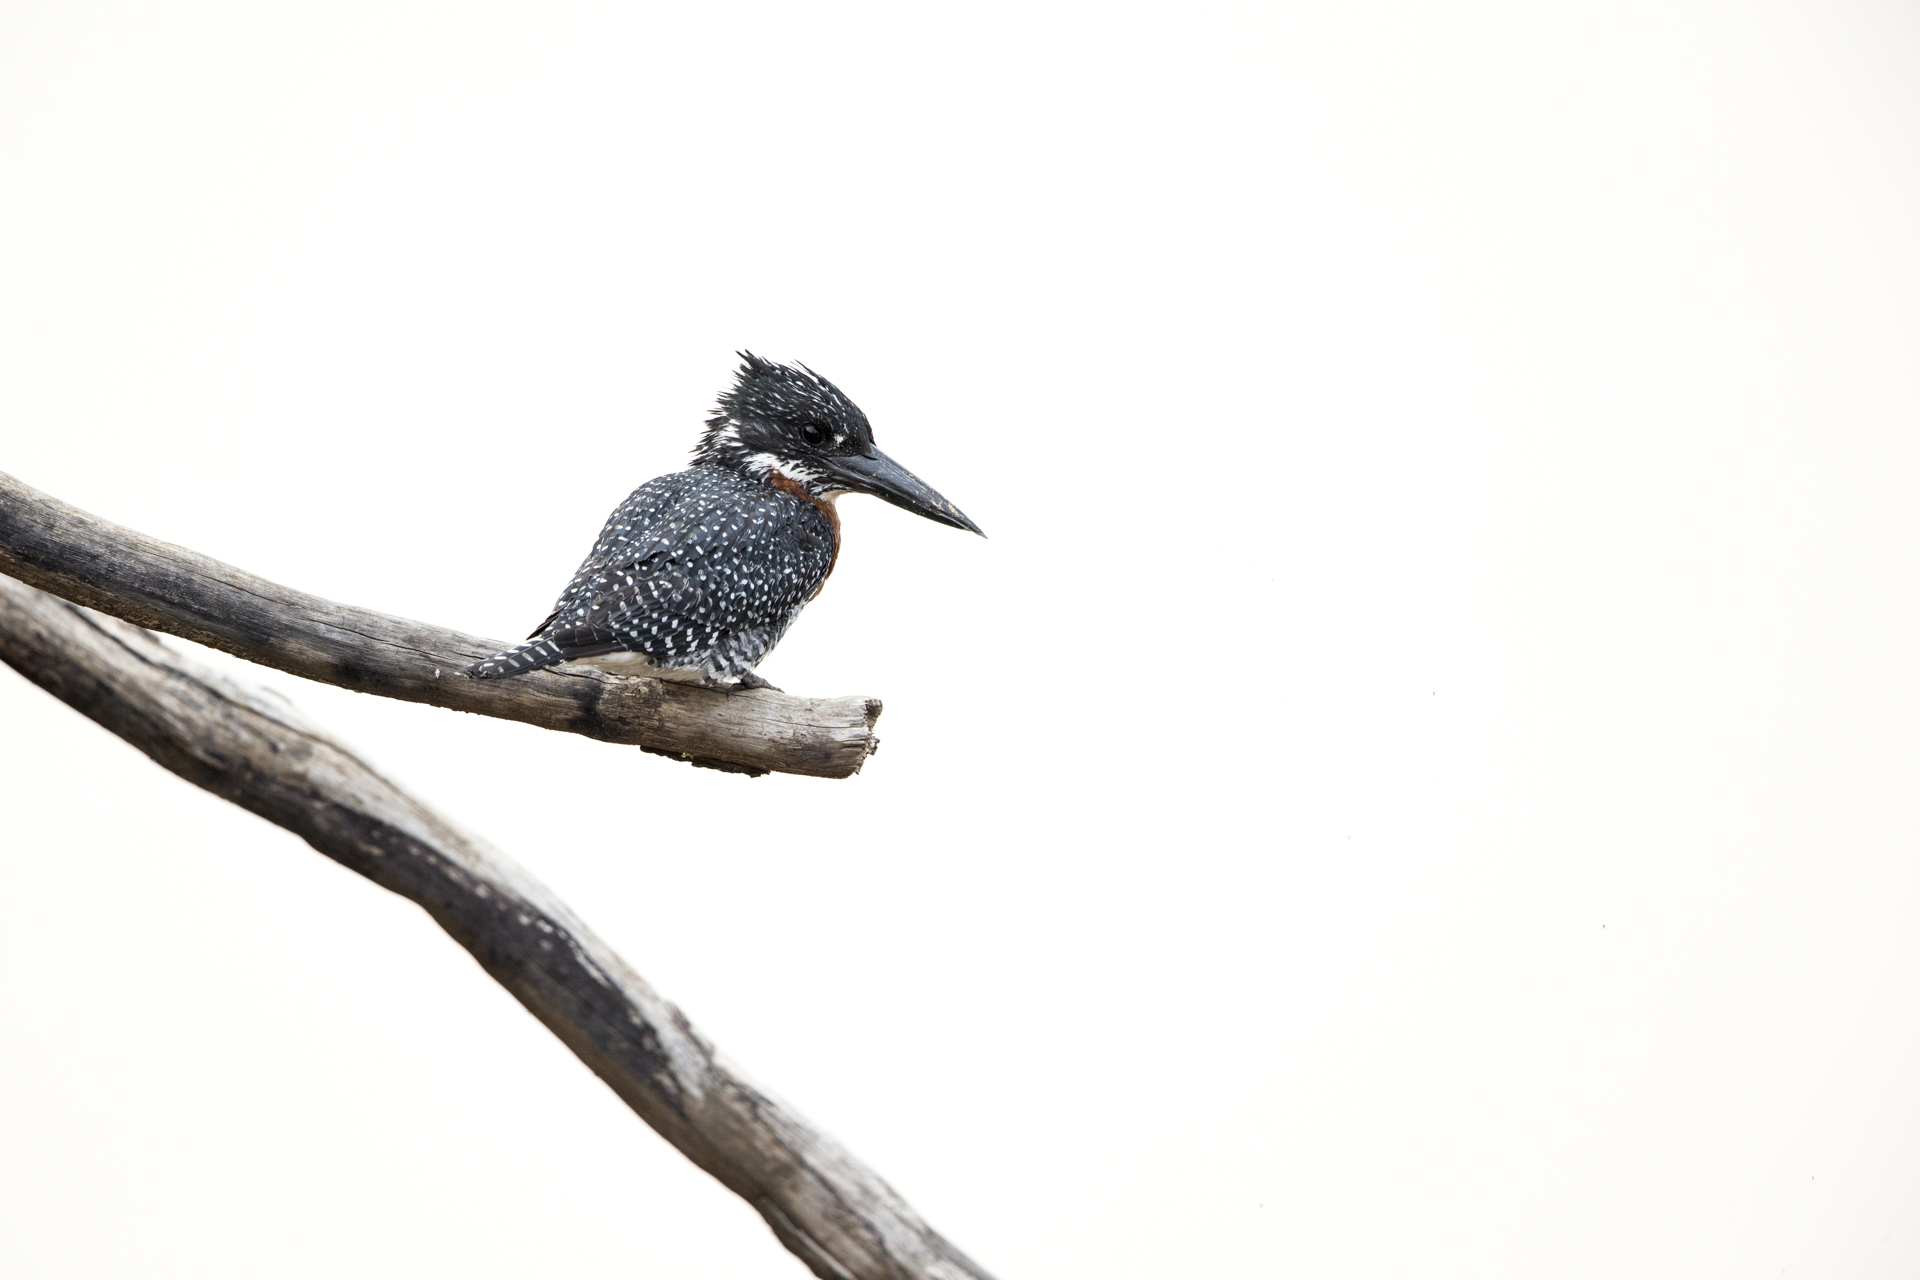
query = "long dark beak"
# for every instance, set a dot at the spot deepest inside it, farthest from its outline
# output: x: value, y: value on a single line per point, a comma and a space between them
x: 879, y: 475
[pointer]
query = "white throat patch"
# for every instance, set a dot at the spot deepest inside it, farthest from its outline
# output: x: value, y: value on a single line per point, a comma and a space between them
x: 811, y: 479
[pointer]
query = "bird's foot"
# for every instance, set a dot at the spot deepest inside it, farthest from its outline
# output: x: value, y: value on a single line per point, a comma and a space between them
x: 752, y: 681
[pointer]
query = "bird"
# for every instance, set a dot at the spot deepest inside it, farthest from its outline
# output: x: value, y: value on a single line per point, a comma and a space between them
x: 699, y: 573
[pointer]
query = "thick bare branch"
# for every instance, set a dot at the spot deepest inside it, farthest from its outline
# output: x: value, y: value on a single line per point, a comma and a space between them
x: 250, y: 748
x: 80, y: 557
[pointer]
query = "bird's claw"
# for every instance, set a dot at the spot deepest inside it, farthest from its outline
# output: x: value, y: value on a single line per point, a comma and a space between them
x: 752, y: 681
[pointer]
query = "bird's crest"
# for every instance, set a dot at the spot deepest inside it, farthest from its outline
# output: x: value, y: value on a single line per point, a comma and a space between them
x: 766, y: 394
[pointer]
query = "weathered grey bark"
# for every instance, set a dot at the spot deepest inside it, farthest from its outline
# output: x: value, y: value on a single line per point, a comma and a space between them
x: 249, y: 747
x: 80, y: 557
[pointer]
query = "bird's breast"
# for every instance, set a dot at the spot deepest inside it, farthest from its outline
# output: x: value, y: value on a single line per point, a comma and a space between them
x: 794, y: 489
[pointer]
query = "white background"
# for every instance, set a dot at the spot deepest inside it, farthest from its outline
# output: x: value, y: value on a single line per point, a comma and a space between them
x: 1420, y: 781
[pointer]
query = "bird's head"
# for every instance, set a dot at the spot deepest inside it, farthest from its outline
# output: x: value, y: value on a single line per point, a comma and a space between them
x: 791, y: 420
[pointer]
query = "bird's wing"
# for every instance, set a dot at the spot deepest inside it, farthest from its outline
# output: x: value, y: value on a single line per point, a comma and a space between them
x: 653, y: 518
x: 711, y: 560
x: 629, y: 594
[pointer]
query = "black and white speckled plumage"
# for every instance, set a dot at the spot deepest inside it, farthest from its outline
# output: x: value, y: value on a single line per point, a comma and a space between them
x: 699, y: 573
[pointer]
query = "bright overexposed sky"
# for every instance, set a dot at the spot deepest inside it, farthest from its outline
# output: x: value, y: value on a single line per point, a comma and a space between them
x: 1423, y: 778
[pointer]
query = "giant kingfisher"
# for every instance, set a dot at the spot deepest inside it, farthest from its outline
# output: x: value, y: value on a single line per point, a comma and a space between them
x: 698, y: 574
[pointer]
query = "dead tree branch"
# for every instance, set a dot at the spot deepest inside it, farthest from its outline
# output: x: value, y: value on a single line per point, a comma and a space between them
x: 249, y: 747
x: 79, y: 557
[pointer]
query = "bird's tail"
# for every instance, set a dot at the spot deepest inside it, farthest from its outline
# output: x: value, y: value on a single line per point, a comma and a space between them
x: 531, y: 656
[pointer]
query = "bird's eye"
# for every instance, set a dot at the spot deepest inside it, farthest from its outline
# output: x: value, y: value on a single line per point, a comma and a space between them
x: 813, y: 434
